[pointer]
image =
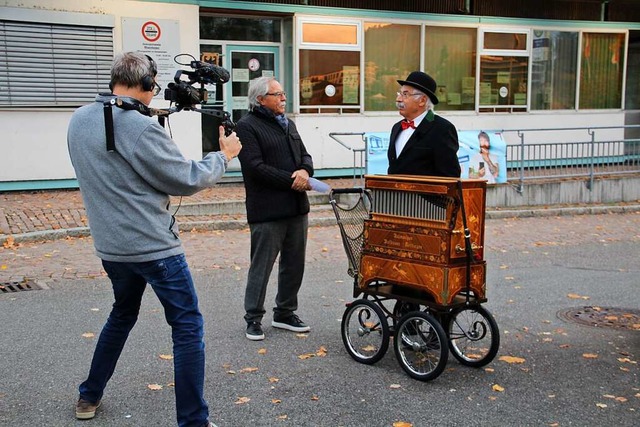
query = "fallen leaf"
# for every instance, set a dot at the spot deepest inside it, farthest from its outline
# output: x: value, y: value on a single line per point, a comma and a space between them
x: 402, y: 424
x: 589, y: 356
x: 511, y: 359
x: 9, y: 243
x: 497, y: 387
x: 489, y: 370
x: 322, y: 352
x: 243, y: 370
x: 282, y: 417
x: 601, y: 405
x: 395, y: 386
x: 273, y: 380
x: 314, y: 397
x: 621, y: 399
x: 306, y: 356
x: 276, y: 401
x: 154, y: 387
x: 262, y: 351
x: 166, y: 356
x: 242, y: 400
x: 576, y: 296
x: 88, y: 335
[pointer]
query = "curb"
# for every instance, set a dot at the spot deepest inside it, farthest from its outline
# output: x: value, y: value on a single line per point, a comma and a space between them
x: 320, y: 221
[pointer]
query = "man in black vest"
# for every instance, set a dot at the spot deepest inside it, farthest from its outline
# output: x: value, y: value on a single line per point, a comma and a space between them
x: 276, y: 169
x: 423, y: 143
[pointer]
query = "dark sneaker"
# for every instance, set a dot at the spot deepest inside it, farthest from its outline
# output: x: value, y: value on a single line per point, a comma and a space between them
x: 254, y: 331
x: 291, y: 323
x: 86, y: 410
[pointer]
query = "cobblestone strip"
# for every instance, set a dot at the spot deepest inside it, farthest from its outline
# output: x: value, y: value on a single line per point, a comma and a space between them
x: 36, y: 219
x: 4, y: 224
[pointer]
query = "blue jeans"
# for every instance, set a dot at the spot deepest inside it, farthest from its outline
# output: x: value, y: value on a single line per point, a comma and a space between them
x: 172, y: 283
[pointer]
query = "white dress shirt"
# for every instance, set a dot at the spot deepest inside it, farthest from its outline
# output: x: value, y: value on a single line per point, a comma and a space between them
x: 404, y: 135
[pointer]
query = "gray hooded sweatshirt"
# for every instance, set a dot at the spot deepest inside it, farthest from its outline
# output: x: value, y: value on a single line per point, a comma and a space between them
x: 126, y: 192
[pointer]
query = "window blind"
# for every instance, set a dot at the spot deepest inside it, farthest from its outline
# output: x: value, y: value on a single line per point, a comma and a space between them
x: 53, y: 65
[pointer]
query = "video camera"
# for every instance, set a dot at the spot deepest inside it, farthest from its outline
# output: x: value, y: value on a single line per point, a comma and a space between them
x: 185, y: 96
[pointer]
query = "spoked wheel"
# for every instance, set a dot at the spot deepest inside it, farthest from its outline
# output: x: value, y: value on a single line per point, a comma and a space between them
x: 420, y: 345
x: 474, y: 338
x: 365, y: 331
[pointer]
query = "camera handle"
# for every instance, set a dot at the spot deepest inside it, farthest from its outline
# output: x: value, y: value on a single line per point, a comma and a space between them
x: 228, y: 124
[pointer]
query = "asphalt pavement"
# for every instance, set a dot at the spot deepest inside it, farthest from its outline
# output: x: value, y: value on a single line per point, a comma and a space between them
x: 542, y: 271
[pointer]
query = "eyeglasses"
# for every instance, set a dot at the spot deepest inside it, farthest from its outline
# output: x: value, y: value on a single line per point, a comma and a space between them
x: 405, y: 95
x: 156, y: 89
x: 276, y: 94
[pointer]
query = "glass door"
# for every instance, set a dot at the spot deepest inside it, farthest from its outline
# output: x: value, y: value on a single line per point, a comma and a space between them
x: 246, y: 63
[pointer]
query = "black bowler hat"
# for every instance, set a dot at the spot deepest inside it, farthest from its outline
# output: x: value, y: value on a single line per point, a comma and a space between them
x: 423, y: 82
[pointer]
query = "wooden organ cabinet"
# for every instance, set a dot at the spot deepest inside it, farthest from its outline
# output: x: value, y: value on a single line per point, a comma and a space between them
x: 414, y: 237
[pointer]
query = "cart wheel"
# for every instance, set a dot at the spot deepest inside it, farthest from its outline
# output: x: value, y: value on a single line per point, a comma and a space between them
x: 420, y: 345
x: 365, y: 331
x: 473, y: 336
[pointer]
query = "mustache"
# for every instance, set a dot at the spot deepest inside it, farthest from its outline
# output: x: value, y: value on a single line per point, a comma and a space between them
x: 399, y: 105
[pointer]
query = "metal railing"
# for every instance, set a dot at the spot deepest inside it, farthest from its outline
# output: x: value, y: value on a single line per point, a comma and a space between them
x: 551, y: 160
x: 589, y: 158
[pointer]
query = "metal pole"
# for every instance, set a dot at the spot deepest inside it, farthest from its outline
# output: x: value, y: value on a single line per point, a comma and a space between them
x: 592, y: 159
x: 520, y: 187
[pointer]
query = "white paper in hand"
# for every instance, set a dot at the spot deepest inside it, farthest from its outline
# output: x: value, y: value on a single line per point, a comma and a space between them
x: 319, y: 186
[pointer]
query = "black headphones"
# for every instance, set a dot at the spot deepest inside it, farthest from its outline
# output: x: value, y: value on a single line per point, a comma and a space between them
x: 148, y: 81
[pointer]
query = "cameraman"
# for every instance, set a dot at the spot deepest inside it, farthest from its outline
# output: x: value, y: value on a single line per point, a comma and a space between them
x: 126, y: 195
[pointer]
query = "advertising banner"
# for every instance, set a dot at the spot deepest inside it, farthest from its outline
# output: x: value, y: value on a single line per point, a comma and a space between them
x: 482, y: 154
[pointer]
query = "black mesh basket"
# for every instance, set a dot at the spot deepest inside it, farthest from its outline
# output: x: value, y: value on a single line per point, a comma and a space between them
x: 351, y: 207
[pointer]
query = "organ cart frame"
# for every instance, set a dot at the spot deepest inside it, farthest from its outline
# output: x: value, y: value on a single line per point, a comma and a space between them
x: 410, y: 242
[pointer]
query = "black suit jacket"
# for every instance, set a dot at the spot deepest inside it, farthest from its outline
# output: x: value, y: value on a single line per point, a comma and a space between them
x: 431, y: 150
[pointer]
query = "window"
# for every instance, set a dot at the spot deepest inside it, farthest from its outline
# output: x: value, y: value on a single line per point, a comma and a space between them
x: 390, y: 54
x: 601, y: 66
x: 245, y: 29
x: 504, y: 70
x: 554, y: 62
x: 632, y: 93
x: 53, y: 65
x: 329, y: 59
x: 450, y: 58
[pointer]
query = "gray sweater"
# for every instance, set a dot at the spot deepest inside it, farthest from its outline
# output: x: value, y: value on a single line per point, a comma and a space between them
x: 126, y: 193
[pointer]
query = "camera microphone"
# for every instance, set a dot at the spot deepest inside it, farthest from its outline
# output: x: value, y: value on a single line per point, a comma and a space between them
x: 211, y: 71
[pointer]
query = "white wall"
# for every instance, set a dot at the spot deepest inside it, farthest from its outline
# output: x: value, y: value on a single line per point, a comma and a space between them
x: 33, y: 142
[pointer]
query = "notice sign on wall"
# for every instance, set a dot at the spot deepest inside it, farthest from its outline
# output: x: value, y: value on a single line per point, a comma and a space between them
x: 158, y: 38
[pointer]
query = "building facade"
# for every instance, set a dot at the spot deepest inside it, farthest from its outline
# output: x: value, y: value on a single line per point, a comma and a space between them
x: 575, y: 65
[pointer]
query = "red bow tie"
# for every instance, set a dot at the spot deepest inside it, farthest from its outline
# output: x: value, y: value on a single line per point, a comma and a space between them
x: 406, y: 124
